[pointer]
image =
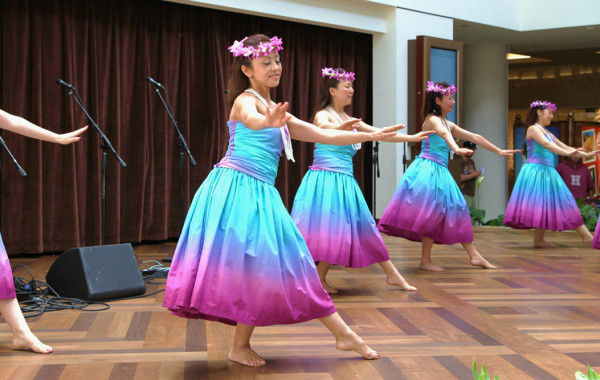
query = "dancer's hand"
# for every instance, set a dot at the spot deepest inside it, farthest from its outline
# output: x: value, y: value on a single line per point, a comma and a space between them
x: 576, y: 152
x: 278, y: 117
x: 70, y: 137
x: 349, y: 125
x: 508, y: 152
x: 420, y: 136
x: 384, y: 133
x: 400, y: 126
x: 587, y: 154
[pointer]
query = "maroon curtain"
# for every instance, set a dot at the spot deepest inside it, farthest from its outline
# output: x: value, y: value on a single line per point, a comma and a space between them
x: 106, y: 49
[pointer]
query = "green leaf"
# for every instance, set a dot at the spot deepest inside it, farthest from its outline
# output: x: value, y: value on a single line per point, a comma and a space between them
x: 485, y: 374
x: 592, y: 375
x: 479, y: 180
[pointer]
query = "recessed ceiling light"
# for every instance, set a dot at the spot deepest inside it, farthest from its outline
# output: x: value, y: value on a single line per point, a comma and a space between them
x: 516, y: 56
x: 598, y: 52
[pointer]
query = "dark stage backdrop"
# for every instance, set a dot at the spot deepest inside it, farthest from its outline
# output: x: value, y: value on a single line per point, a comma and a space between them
x: 106, y: 49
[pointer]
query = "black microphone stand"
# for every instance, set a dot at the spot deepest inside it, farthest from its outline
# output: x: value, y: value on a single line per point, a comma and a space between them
x: 404, y: 158
x: 182, y: 147
x: 376, y: 175
x: 21, y: 171
x: 105, y: 145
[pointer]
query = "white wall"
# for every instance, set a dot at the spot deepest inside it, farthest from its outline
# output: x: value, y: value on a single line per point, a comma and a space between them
x: 501, y: 13
x: 359, y: 16
x: 486, y: 112
x: 550, y: 14
x: 390, y: 87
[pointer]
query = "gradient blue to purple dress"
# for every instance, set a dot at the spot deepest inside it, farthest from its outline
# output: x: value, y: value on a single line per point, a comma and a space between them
x: 240, y: 257
x: 540, y: 198
x: 596, y: 241
x: 427, y: 201
x: 332, y: 214
x: 7, y: 284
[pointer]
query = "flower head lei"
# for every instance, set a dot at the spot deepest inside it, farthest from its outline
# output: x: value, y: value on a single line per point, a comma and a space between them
x: 264, y: 48
x: 331, y: 73
x: 432, y: 87
x: 543, y: 104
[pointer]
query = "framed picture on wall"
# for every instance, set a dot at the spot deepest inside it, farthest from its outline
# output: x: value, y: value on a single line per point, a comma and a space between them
x: 588, y: 140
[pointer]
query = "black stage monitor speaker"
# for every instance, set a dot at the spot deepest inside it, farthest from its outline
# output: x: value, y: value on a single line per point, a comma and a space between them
x: 97, y: 273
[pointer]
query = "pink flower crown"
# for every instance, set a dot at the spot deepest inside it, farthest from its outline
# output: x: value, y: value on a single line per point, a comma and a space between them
x: 544, y: 104
x: 331, y: 73
x: 432, y: 87
x: 264, y: 48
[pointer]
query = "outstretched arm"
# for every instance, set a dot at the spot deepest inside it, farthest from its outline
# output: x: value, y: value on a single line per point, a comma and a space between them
x: 364, y: 127
x: 538, y: 136
x: 579, y: 152
x: 23, y: 127
x: 303, y: 131
x: 478, y: 139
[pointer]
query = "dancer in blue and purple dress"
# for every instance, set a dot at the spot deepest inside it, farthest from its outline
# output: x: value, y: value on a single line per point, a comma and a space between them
x: 240, y: 258
x: 427, y: 205
x: 9, y: 307
x: 329, y: 208
x: 540, y: 198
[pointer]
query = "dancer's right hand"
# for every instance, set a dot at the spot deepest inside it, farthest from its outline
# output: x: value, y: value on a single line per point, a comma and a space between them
x: 70, y: 137
x: 278, y: 116
x: 349, y: 125
x: 384, y: 133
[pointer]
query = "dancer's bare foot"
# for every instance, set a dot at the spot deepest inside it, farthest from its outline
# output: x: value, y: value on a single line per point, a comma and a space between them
x: 352, y: 342
x: 398, y: 280
x: 31, y: 342
x: 245, y: 356
x: 431, y: 266
x: 542, y: 244
x: 588, y: 240
x: 328, y: 288
x: 481, y: 262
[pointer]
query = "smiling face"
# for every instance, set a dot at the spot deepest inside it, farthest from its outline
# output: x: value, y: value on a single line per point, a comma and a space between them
x: 446, y: 103
x: 545, y: 117
x: 264, y: 71
x: 342, y: 94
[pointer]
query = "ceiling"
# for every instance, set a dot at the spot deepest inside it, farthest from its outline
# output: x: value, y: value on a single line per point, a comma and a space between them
x: 539, y: 43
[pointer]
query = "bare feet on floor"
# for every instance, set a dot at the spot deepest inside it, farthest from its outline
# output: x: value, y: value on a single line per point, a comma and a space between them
x: 588, y: 240
x: 245, y: 356
x: 431, y: 266
x: 542, y: 244
x: 481, y: 262
x: 352, y: 342
x: 401, y: 282
x: 31, y: 342
x: 328, y: 288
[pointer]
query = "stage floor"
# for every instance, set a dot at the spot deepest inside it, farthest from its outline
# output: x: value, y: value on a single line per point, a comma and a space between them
x: 538, y: 317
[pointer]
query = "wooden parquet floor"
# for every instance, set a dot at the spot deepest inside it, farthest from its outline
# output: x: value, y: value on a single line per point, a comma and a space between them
x: 538, y: 317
